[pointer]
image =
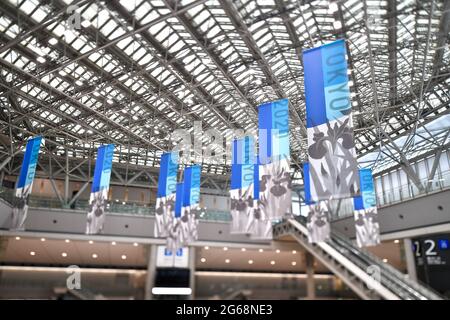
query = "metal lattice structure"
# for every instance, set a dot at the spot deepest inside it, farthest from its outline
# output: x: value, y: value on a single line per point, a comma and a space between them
x: 84, y: 73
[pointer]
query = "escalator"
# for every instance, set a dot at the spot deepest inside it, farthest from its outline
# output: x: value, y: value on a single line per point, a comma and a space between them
x: 368, y: 276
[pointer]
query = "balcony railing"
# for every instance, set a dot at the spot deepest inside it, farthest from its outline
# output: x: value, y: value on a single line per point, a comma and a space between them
x: 384, y: 198
x: 119, y: 207
x: 402, y: 193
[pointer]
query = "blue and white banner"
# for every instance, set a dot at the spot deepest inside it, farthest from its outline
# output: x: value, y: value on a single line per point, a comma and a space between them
x: 259, y: 226
x: 165, y: 198
x: 99, y: 191
x: 366, y: 215
x: 242, y: 183
x: 25, y: 183
x: 191, y: 204
x: 174, y: 239
x: 318, y: 219
x: 274, y: 155
x: 331, y: 147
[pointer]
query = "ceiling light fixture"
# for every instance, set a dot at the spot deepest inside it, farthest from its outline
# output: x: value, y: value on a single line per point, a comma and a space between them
x: 64, y: 254
x: 206, y: 248
x: 113, y: 243
x: 67, y: 240
x: 95, y: 256
x: 261, y: 250
x: 203, y: 260
x: 272, y: 262
x: 277, y: 251
x: 250, y: 261
x: 227, y: 260
x: 124, y: 257
x: 135, y: 244
x: 396, y: 241
x: 225, y: 248
x: 42, y: 239
x: 243, y: 249
x: 294, y: 263
x: 32, y: 253
x: 294, y: 251
x: 17, y: 238
x: 91, y: 242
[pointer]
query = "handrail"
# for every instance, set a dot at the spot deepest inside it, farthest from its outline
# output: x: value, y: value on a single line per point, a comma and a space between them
x: 420, y: 288
x: 349, y: 265
x: 134, y: 208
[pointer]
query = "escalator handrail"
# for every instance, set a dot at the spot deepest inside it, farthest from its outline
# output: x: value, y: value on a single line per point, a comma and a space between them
x: 392, y: 277
x: 388, y: 279
x: 421, y: 288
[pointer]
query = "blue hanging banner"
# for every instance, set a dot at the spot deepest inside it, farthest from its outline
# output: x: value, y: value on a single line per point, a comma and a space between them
x: 174, y: 239
x: 366, y: 214
x: 99, y: 191
x: 331, y: 148
x: 318, y: 219
x: 165, y: 197
x: 274, y: 155
x: 25, y: 183
x: 259, y: 225
x: 191, y: 202
x: 242, y: 183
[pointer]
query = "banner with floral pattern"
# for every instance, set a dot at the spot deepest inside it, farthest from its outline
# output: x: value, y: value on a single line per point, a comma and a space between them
x: 99, y: 191
x: 331, y: 146
x: 25, y: 183
x: 274, y: 155
x: 318, y: 219
x: 242, y: 184
x: 165, y: 198
x: 366, y: 216
x: 175, y: 238
x: 191, y: 203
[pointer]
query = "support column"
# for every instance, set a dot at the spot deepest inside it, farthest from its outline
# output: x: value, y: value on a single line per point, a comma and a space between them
x: 410, y: 260
x: 192, y: 271
x: 151, y: 270
x: 310, y: 285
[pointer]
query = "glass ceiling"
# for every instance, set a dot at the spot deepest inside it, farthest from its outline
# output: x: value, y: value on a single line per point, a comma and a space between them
x: 134, y: 71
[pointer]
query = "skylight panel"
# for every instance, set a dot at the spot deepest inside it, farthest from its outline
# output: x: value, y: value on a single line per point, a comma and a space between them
x: 39, y: 15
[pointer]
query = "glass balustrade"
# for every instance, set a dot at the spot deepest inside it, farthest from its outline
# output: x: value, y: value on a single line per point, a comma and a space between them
x: 384, y: 198
x: 119, y: 207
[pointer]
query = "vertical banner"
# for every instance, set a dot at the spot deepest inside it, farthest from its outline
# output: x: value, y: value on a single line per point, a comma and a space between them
x: 165, y: 198
x: 191, y: 201
x: 259, y: 226
x: 274, y: 154
x: 25, y: 183
x: 331, y: 147
x: 366, y: 215
x: 318, y: 220
x: 99, y: 191
x: 174, y: 236
x: 242, y: 179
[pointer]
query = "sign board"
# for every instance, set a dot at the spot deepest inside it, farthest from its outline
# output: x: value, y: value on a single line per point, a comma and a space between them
x: 432, y: 254
x: 164, y: 258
